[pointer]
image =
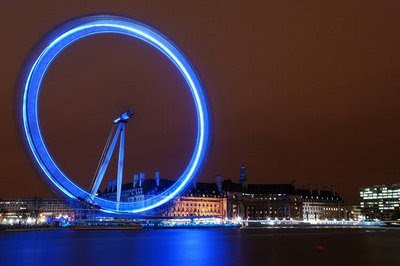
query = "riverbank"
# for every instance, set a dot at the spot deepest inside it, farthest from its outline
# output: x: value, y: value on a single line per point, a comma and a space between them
x: 125, y: 224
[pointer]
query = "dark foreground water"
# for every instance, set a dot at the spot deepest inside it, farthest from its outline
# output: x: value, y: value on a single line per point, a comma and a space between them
x: 307, y: 246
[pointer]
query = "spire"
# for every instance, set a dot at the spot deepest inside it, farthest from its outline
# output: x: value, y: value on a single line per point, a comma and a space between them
x: 243, y: 176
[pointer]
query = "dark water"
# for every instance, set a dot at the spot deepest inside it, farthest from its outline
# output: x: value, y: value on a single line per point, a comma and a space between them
x: 308, y: 246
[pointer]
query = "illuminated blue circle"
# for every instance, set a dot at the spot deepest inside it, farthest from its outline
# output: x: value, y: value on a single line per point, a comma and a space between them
x: 36, y: 70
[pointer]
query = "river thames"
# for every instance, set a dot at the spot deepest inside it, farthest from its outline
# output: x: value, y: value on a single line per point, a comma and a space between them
x: 272, y: 246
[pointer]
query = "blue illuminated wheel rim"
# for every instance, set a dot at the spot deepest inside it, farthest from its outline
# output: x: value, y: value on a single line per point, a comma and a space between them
x: 36, y: 69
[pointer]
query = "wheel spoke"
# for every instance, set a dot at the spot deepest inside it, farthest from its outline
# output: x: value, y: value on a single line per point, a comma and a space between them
x: 104, y: 165
x: 120, y: 162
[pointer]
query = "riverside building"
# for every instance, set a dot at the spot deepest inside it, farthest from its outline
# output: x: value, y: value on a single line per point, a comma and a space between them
x: 200, y: 200
x: 321, y: 205
x: 34, y: 210
x: 380, y: 202
x: 220, y: 199
x: 280, y: 201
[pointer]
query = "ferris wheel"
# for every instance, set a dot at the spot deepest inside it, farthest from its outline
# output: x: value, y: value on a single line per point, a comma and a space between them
x: 36, y: 68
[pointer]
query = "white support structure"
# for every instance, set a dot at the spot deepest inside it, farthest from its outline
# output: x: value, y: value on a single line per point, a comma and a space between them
x: 120, y: 162
x: 104, y: 162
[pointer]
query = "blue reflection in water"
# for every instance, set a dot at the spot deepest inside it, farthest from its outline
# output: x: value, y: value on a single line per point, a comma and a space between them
x: 120, y: 247
x: 196, y: 247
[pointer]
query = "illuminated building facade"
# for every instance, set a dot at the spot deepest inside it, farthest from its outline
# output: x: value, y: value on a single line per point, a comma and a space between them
x: 280, y: 201
x: 200, y: 200
x: 284, y: 202
x: 380, y: 202
x: 34, y: 209
x: 321, y: 205
x: 201, y: 206
x: 222, y: 199
x: 259, y: 201
x: 354, y: 213
x: 35, y: 204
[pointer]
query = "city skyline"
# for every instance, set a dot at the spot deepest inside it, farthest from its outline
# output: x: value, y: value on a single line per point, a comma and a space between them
x: 199, y: 132
x: 312, y: 101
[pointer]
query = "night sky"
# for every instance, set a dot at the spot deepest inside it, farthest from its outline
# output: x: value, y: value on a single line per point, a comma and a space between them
x: 298, y: 90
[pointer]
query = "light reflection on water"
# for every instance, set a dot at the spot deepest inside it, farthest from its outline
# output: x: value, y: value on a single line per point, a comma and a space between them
x: 301, y: 246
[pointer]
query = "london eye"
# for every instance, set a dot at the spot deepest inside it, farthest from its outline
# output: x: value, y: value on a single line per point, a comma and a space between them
x: 48, y: 49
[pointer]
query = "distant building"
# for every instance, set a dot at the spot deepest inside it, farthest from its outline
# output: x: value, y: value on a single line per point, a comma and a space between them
x: 229, y: 199
x: 354, y: 213
x: 34, y: 205
x: 44, y: 209
x: 260, y: 201
x: 280, y: 201
x: 222, y: 199
x: 138, y: 190
x: 321, y: 205
x: 200, y: 200
x: 37, y: 209
x: 380, y: 202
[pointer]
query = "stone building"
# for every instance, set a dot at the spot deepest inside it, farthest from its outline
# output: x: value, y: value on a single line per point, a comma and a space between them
x: 262, y: 201
x: 321, y: 205
x: 280, y: 201
x: 200, y: 200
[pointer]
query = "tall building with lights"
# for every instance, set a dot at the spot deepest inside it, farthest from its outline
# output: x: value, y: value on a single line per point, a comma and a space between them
x: 381, y: 202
